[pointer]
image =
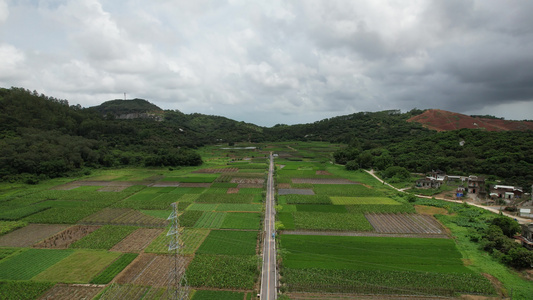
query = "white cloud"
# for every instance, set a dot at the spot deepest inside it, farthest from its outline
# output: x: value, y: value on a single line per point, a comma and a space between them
x: 295, y: 61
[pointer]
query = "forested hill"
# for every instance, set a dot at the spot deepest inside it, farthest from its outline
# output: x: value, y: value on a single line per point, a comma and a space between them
x: 42, y: 137
x: 119, y: 108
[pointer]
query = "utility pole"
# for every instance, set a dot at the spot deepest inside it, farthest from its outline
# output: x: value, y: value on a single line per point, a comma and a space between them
x: 124, y: 95
x: 178, y: 288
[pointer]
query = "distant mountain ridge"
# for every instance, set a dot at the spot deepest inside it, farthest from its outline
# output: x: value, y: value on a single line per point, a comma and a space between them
x: 442, y: 120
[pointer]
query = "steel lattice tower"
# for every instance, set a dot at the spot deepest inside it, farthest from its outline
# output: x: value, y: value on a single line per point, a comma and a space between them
x: 177, y: 282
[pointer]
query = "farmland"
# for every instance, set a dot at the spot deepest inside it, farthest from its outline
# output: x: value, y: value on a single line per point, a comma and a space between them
x: 110, y: 227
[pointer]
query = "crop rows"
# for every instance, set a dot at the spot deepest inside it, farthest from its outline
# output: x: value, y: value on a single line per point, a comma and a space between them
x: 8, y: 226
x: 331, y: 221
x: 210, y: 219
x: 385, y: 282
x: 104, y: 238
x: 23, y: 290
x: 345, y: 190
x: 242, y: 221
x: 228, y: 242
x: 363, y: 201
x: 304, y: 199
x: 29, y: 263
x: 59, y: 215
x: 123, y: 216
x: 17, y: 213
x: 223, y: 271
x: 114, y: 268
x: 225, y: 198
x: 191, y: 239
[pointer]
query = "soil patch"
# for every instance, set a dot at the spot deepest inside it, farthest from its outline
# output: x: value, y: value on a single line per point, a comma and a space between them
x: 248, y: 180
x: 295, y: 192
x: 321, y: 172
x: 29, y: 235
x: 213, y: 170
x: 151, y: 269
x: 430, y: 210
x: 284, y: 185
x: 323, y: 181
x: 66, y: 237
x: 250, y: 186
x: 137, y: 240
x: 72, y: 291
x: 233, y: 190
x: 405, y: 223
x: 197, y: 184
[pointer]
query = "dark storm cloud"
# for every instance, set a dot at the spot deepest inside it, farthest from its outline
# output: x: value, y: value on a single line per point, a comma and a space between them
x: 272, y: 62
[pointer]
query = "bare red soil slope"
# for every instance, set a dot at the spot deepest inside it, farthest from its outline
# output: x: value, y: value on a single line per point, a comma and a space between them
x: 442, y: 120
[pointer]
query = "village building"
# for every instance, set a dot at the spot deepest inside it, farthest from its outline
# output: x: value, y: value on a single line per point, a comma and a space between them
x: 527, y: 236
x: 506, y: 192
x: 476, y: 187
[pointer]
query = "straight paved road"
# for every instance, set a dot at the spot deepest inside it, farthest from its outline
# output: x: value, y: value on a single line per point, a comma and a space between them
x: 269, y: 274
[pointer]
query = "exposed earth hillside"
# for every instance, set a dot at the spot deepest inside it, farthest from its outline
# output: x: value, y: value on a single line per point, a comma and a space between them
x: 441, y: 120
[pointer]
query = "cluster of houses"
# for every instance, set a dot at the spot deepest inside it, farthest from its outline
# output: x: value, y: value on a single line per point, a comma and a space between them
x: 473, y: 186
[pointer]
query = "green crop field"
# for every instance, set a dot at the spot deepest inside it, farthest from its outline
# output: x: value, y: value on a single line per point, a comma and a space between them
x: 330, y: 221
x: 8, y: 213
x: 31, y: 262
x: 191, y: 239
x: 378, y: 208
x: 346, y: 190
x: 363, y: 200
x: 203, y: 206
x: 223, y: 271
x: 234, y: 220
x: 230, y: 207
x: 225, y: 198
x: 80, y: 267
x: 8, y: 226
x: 104, y: 238
x: 321, y: 208
x: 407, y: 265
x: 114, y: 268
x: 304, y: 199
x: 61, y: 215
x: 23, y: 290
x: 229, y: 242
x: 210, y: 219
x: 217, y: 295
x: 190, y: 217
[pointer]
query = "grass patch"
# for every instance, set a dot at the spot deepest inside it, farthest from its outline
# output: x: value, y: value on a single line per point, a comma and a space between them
x: 240, y: 207
x: 8, y: 226
x: 304, y: 199
x: 190, y: 217
x: 203, y: 206
x: 218, y: 295
x: 321, y: 208
x: 287, y: 220
x: 192, y: 238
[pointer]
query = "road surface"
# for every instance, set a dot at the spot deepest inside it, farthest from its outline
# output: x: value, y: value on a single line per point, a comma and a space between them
x: 268, y: 273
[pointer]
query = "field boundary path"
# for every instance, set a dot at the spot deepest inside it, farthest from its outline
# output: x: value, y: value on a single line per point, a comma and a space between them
x: 496, y: 211
x: 268, y: 273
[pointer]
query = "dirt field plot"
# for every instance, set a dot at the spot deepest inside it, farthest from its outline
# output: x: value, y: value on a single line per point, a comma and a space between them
x: 405, y: 223
x: 133, y: 292
x: 66, y: 237
x: 195, y: 184
x: 248, y: 181
x: 250, y: 185
x: 233, y: 190
x: 123, y: 216
x: 213, y: 170
x: 319, y: 172
x: 323, y: 181
x: 29, y: 235
x: 107, y: 186
x: 104, y: 216
x: 295, y: 191
x: 71, y: 292
x: 138, y: 240
x: 149, y: 269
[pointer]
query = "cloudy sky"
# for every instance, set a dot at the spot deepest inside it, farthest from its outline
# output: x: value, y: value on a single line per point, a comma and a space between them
x: 270, y: 62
